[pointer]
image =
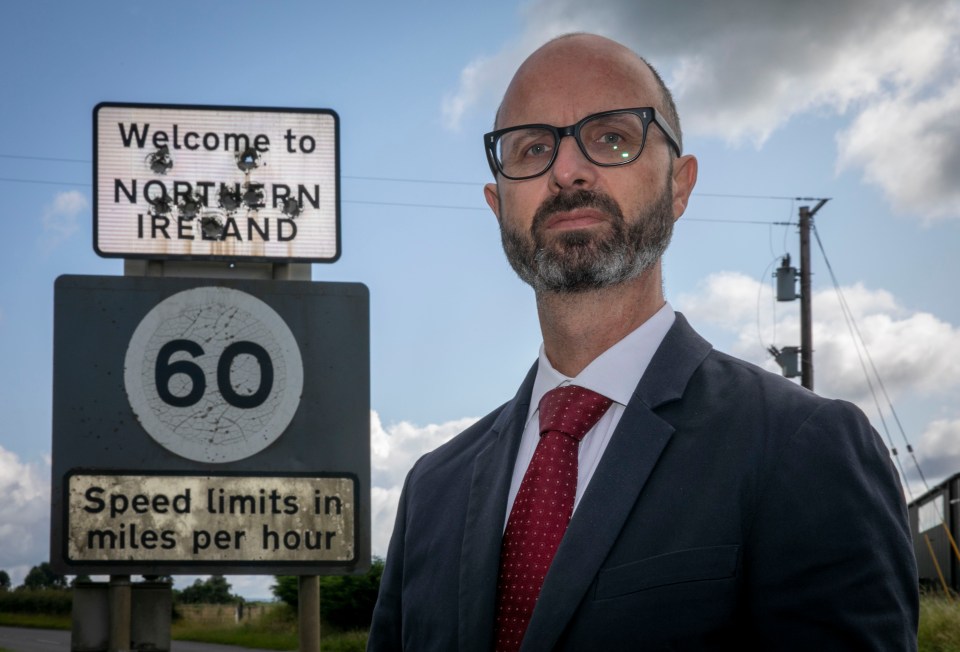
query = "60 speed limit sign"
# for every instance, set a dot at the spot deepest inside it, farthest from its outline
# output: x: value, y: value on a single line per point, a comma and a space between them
x: 210, y: 426
x: 213, y: 374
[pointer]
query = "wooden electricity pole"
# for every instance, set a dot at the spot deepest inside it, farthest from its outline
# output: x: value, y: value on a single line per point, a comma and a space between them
x: 806, y: 311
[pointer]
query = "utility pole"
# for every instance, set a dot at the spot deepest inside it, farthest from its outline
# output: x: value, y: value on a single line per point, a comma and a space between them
x: 806, y: 296
x: 786, y: 279
x: 806, y: 316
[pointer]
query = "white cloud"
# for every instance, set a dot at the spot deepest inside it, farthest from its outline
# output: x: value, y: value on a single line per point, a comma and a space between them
x: 915, y: 352
x: 24, y: 514
x: 394, y: 450
x: 907, y: 146
x: 939, y: 451
x: 742, y: 69
x: 59, y: 218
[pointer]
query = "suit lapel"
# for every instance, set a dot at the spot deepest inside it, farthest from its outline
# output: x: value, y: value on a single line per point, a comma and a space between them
x: 630, y: 457
x: 483, y: 530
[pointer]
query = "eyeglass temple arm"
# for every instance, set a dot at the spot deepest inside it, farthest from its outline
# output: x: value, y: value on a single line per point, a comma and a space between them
x: 668, y: 132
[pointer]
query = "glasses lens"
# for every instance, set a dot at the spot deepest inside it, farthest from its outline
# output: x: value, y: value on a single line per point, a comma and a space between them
x: 613, y: 139
x: 525, y: 152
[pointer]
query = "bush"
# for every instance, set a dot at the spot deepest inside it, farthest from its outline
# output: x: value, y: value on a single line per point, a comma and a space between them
x: 43, y: 601
x: 213, y: 590
x: 346, y: 601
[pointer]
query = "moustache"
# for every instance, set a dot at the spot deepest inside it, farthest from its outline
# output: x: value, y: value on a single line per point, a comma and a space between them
x: 564, y: 202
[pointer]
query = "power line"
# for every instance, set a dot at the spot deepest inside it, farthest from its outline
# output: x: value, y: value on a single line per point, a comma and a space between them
x: 724, y: 221
x: 375, y: 178
x: 405, y: 205
x: 45, y: 158
x: 860, y: 342
x: 48, y: 183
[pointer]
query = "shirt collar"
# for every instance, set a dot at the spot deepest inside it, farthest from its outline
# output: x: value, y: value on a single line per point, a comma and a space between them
x: 616, y: 372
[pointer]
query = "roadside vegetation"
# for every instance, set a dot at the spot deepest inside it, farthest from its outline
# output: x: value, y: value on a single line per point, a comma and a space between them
x: 207, y: 611
x: 939, y: 624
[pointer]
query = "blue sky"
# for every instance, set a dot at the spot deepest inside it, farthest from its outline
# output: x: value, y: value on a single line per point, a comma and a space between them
x: 852, y: 100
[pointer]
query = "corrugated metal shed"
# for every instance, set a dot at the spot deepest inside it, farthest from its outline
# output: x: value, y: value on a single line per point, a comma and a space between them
x: 935, y: 526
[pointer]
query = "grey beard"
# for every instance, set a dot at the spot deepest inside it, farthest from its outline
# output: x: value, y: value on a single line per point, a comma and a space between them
x: 578, y: 261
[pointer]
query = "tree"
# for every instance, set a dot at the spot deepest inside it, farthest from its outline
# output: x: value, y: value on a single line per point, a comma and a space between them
x: 213, y: 590
x: 4, y: 581
x: 346, y: 601
x: 77, y: 579
x: 43, y: 577
x: 287, y: 589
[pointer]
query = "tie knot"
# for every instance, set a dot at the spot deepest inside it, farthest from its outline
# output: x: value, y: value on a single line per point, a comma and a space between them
x: 572, y: 410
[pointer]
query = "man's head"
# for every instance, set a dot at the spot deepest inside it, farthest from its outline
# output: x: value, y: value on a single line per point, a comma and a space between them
x: 582, y: 226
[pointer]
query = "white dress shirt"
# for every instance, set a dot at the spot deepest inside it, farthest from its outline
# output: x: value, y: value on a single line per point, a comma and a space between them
x: 614, y: 374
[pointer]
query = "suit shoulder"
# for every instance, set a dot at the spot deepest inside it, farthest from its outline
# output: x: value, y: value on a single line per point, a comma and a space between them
x: 738, y: 387
x: 754, y: 381
x: 460, y: 450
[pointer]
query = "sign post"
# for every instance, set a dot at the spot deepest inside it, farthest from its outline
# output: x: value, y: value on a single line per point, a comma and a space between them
x: 206, y: 421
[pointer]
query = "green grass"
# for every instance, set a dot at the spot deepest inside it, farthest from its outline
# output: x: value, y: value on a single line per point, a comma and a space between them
x: 274, y: 630
x: 939, y: 624
x: 39, y: 621
x: 277, y: 629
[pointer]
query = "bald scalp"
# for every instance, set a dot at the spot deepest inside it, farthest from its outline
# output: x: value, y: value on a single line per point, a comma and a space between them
x: 601, y: 54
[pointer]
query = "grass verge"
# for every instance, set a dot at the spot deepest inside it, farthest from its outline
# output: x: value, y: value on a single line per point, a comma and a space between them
x: 939, y: 625
x: 38, y: 621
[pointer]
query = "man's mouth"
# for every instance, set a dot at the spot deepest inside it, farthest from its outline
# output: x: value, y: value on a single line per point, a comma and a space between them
x: 578, y: 218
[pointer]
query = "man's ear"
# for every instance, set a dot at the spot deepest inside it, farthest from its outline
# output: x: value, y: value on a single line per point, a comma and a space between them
x: 493, y: 198
x: 684, y: 179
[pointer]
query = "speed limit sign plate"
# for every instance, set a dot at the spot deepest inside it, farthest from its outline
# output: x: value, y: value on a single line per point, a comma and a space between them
x: 242, y: 382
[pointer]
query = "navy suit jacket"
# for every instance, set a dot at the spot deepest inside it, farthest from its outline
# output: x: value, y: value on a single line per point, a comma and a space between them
x: 732, y: 509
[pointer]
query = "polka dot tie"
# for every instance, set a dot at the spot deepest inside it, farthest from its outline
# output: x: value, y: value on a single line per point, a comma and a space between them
x: 543, y: 507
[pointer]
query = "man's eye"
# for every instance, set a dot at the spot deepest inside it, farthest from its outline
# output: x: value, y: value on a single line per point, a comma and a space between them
x: 611, y: 139
x: 539, y: 149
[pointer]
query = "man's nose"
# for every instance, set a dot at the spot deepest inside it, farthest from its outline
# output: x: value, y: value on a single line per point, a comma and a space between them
x: 571, y: 169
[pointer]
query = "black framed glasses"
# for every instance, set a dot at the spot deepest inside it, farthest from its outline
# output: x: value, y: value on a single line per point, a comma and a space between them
x: 608, y: 138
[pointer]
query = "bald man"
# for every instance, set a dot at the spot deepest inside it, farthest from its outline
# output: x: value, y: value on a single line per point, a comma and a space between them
x: 641, y: 491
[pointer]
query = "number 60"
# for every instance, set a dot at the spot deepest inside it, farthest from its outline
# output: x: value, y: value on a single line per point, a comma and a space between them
x: 165, y: 370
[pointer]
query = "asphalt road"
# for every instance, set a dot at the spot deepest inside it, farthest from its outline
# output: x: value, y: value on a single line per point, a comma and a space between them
x: 19, y: 639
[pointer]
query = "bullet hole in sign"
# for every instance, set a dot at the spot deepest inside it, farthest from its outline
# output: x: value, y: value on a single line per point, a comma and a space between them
x: 248, y: 159
x: 291, y: 207
x: 229, y: 200
x: 212, y: 228
x: 253, y: 196
x: 160, y: 161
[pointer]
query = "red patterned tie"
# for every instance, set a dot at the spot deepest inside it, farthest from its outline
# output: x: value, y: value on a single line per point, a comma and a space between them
x: 543, y: 507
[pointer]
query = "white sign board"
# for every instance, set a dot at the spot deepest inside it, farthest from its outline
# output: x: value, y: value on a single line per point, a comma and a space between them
x: 211, y: 518
x: 216, y: 183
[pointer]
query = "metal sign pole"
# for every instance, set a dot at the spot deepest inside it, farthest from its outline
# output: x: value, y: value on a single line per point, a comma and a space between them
x: 309, y: 613
x: 119, y: 598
